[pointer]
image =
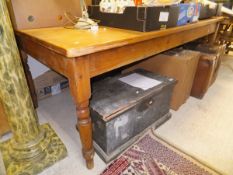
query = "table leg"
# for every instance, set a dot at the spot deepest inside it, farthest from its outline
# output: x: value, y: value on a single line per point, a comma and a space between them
x: 85, y: 130
x: 80, y: 89
x: 212, y: 38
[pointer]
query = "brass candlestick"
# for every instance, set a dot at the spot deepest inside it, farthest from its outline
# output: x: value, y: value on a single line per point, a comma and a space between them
x: 32, y: 147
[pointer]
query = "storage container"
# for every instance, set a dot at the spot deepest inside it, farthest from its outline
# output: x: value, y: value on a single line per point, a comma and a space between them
x: 197, y: 10
x: 189, y: 12
x: 138, y: 18
x: 121, y: 112
x: 50, y: 83
x: 218, y: 50
x: 206, y: 70
x: 168, y: 64
x: 208, y: 11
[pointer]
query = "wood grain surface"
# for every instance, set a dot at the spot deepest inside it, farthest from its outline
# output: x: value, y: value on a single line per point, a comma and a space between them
x: 74, y: 43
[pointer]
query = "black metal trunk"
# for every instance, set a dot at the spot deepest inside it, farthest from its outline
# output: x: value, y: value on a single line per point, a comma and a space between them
x: 120, y: 111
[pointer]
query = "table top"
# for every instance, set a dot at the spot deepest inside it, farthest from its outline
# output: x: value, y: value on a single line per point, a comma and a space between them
x: 75, y: 43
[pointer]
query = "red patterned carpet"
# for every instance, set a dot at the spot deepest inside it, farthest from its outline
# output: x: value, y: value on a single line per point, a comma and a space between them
x: 152, y: 156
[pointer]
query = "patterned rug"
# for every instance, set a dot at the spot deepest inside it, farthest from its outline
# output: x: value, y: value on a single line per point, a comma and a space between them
x: 152, y: 156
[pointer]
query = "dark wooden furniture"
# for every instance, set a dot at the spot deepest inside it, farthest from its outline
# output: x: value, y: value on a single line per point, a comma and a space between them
x: 206, y: 68
x: 80, y: 55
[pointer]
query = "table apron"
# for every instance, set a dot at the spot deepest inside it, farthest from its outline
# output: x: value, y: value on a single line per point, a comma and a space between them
x: 107, y: 60
x: 44, y: 55
x: 111, y: 59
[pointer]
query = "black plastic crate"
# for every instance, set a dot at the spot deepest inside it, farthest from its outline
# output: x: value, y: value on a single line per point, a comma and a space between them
x: 138, y: 18
x: 207, y: 12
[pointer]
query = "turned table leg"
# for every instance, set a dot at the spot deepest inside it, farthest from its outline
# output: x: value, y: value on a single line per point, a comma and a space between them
x: 85, y: 130
x: 80, y: 88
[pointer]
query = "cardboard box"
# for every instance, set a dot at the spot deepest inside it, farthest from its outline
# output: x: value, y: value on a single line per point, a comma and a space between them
x: 183, y: 14
x: 197, y: 10
x: 50, y: 83
x: 179, y: 64
x: 208, y: 11
x: 141, y: 18
x: 189, y: 12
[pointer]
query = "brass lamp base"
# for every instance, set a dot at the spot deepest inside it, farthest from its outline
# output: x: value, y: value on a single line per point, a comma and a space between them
x: 53, y: 151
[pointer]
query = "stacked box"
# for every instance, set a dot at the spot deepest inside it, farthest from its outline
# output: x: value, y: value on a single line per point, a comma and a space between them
x: 204, y: 75
x: 189, y: 12
x: 197, y: 9
x: 208, y: 66
x: 208, y: 11
x: 179, y: 64
x: 219, y: 50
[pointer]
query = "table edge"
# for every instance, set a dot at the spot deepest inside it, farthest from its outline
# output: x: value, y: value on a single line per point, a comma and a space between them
x: 73, y: 52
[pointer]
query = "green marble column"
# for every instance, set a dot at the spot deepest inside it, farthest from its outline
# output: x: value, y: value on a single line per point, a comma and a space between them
x: 32, y: 147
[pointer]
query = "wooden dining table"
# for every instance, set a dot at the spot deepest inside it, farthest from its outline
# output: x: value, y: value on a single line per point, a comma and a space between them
x: 82, y: 54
